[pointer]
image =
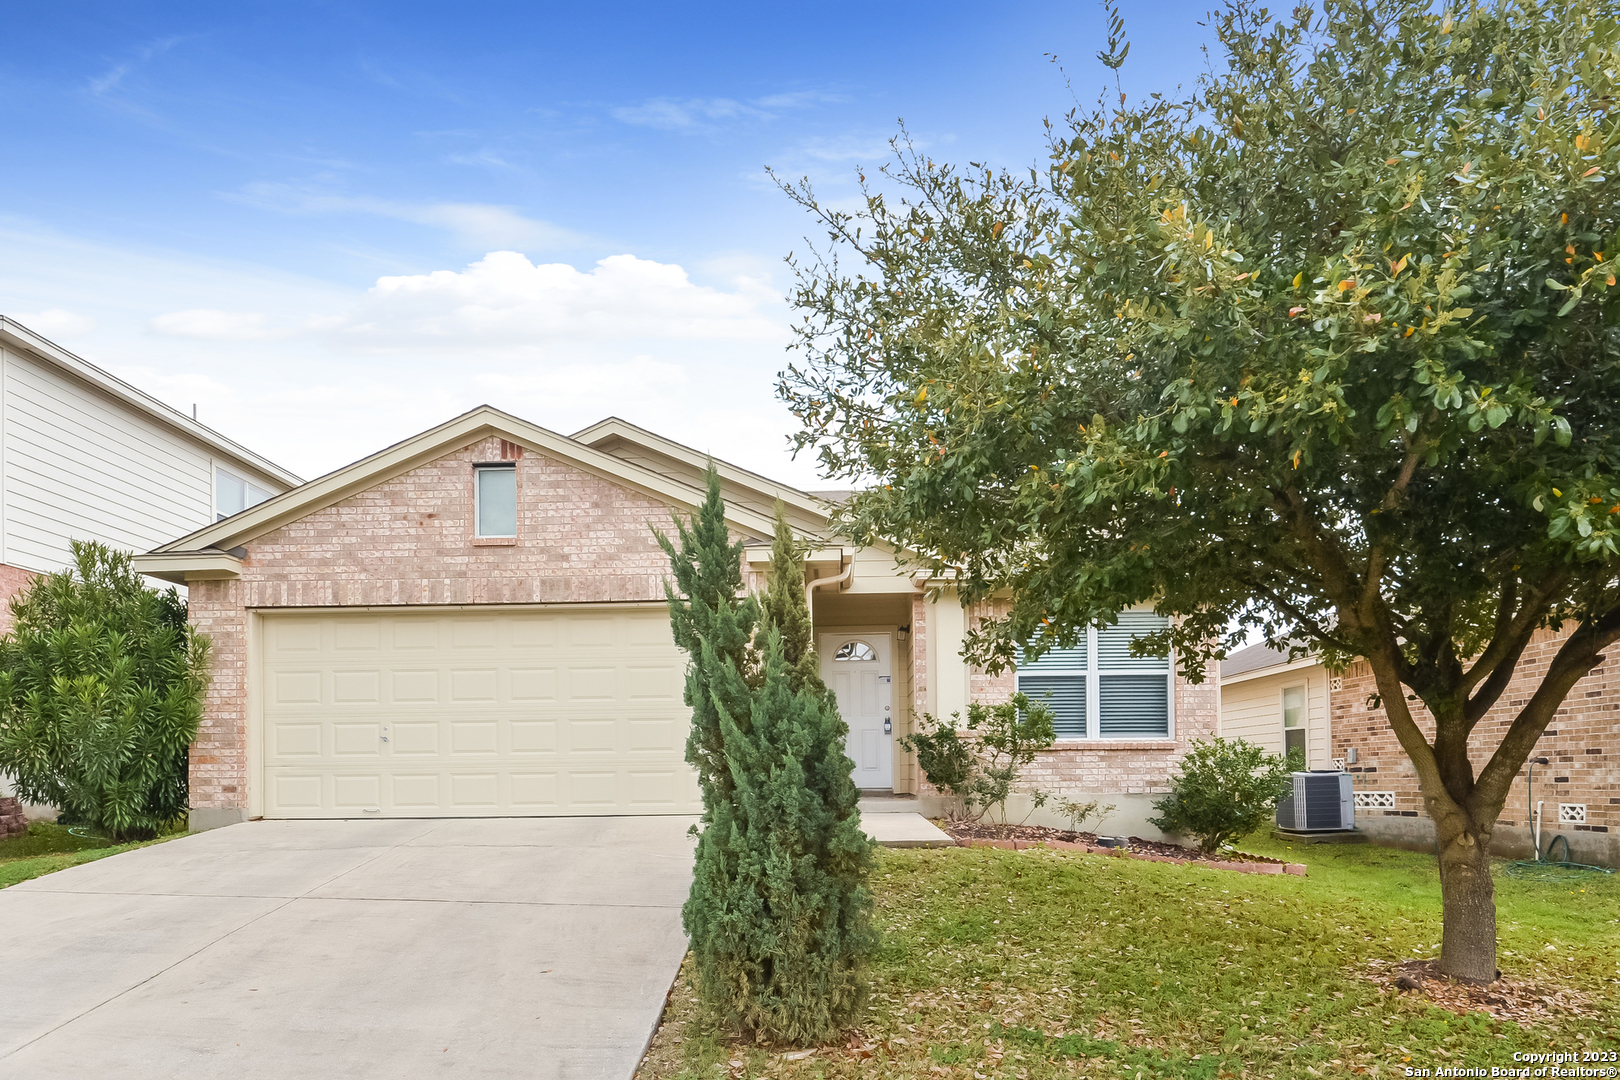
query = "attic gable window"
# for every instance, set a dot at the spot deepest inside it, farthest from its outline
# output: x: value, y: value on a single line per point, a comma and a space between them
x: 233, y: 494
x: 495, y: 500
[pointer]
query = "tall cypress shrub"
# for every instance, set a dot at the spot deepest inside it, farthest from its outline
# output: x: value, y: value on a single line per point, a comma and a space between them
x: 779, y: 913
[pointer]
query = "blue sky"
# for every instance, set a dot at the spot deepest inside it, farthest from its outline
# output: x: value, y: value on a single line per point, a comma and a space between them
x: 330, y: 225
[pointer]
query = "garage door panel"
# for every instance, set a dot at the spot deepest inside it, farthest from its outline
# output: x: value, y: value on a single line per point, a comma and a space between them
x: 475, y: 791
x: 592, y: 684
x: 476, y: 737
x: 414, y: 686
x: 533, y: 635
x: 591, y: 631
x: 298, y: 792
x: 289, y: 740
x: 414, y: 791
x: 357, y: 739
x: 533, y: 684
x: 534, y: 736
x: 593, y: 790
x: 651, y: 736
x: 356, y: 791
x: 414, y: 738
x: 357, y: 687
x: 295, y: 636
x: 474, y: 685
x: 418, y: 634
x: 357, y: 635
x: 534, y: 791
x: 479, y: 634
x: 468, y: 714
x: 296, y: 688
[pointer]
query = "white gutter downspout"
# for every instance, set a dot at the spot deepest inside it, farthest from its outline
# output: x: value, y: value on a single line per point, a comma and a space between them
x: 812, y: 586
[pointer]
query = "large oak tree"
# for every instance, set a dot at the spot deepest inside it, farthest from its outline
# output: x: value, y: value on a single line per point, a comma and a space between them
x: 1325, y: 347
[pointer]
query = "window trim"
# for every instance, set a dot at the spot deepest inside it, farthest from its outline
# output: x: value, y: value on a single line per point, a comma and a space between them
x: 495, y: 539
x: 1093, y: 682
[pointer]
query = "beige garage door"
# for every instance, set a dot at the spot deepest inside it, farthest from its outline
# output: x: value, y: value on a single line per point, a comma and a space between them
x: 468, y: 714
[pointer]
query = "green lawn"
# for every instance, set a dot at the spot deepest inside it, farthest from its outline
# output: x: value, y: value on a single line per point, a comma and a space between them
x: 1038, y: 964
x: 46, y: 848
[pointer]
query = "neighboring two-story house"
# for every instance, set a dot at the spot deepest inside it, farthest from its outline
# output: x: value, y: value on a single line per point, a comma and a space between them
x: 86, y: 456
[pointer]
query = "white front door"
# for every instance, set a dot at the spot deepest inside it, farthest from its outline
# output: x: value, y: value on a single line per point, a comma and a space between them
x: 857, y: 668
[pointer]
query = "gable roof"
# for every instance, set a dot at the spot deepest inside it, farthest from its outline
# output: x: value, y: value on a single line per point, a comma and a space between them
x: 1262, y: 659
x: 683, y: 463
x: 19, y: 337
x: 200, y: 552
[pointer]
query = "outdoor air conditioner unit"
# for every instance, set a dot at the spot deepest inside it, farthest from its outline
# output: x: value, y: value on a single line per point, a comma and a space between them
x: 1318, y: 801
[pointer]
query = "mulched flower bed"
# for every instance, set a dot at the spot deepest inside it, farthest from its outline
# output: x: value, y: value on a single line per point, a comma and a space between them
x: 1505, y: 999
x: 978, y: 833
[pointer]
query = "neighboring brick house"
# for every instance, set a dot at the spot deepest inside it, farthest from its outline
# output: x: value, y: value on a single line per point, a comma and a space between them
x: 472, y: 622
x: 1579, y: 787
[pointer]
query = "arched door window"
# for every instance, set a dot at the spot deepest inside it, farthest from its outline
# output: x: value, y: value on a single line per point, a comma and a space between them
x: 854, y: 650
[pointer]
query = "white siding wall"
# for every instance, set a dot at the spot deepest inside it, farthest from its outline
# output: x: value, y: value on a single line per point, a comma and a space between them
x: 1252, y: 710
x: 80, y: 466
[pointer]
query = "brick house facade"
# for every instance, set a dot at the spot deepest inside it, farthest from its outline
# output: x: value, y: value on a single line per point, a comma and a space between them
x: 1579, y: 787
x: 1582, y: 745
x: 564, y: 696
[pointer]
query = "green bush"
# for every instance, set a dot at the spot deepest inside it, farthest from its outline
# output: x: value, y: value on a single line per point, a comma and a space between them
x: 1223, y: 788
x: 983, y: 771
x: 101, y: 687
x: 1078, y: 813
x: 943, y: 755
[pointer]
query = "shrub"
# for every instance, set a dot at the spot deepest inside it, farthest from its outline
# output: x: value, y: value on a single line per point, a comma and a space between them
x: 779, y: 914
x: 101, y: 685
x: 984, y: 773
x: 943, y: 755
x: 1078, y: 813
x: 1223, y: 788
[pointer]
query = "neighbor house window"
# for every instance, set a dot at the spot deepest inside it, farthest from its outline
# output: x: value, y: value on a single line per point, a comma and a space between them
x: 1098, y: 690
x: 1294, y: 723
x: 495, y: 500
x: 233, y: 494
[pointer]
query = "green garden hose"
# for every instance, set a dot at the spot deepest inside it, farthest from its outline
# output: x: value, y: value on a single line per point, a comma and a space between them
x: 1551, y: 869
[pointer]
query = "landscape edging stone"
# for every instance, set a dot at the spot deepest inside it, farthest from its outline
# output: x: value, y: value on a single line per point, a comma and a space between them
x: 1296, y: 869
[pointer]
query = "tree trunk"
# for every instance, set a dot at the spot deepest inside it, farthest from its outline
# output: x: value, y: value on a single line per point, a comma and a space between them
x: 1468, y: 902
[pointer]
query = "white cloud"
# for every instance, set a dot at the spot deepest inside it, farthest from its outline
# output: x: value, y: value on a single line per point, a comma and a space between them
x: 55, y: 322
x: 705, y: 114
x: 689, y: 115
x: 315, y: 374
x: 209, y: 324
x: 504, y: 298
x: 478, y: 225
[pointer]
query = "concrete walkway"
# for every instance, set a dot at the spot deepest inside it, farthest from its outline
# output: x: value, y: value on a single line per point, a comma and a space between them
x: 898, y: 821
x: 480, y: 948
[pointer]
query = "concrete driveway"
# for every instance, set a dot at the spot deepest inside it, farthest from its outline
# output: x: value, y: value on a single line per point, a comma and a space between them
x: 314, y: 949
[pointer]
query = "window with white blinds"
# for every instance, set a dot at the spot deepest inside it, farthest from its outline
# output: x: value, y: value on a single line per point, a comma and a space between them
x: 1098, y: 690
